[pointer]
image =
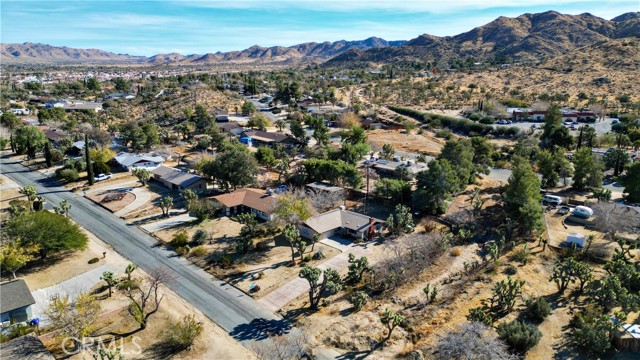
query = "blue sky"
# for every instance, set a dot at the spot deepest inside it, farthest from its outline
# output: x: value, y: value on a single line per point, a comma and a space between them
x: 141, y: 27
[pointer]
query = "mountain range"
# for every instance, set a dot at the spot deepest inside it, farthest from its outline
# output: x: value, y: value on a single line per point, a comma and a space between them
x: 546, y: 34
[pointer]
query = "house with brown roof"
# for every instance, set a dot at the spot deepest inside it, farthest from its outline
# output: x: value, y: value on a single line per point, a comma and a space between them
x: 247, y: 200
x: 175, y: 179
x: 341, y: 222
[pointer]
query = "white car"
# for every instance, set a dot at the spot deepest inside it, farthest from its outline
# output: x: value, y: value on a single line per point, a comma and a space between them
x: 101, y: 177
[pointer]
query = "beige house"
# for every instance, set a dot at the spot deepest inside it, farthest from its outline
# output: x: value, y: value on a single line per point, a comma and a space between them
x: 341, y: 222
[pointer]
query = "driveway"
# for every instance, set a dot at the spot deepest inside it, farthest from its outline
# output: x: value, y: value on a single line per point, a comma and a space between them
x: 142, y: 197
x: 72, y: 287
x: 168, y: 223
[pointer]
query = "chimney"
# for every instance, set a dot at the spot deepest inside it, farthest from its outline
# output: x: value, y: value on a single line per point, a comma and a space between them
x: 372, y: 229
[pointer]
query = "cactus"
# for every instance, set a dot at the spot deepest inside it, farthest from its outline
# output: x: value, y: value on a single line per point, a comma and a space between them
x: 505, y: 294
x: 481, y: 315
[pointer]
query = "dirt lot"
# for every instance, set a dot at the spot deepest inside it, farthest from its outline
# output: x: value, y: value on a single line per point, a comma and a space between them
x: 113, y: 200
x: 424, y: 144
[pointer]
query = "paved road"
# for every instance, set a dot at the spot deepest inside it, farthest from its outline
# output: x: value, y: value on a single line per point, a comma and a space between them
x: 228, y: 307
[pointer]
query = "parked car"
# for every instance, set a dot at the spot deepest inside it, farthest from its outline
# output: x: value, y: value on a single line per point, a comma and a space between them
x: 102, y: 177
x: 552, y: 199
x: 563, y: 210
x: 502, y: 122
x: 615, y: 121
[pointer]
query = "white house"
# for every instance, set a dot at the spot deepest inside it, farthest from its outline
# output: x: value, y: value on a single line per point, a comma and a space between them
x: 131, y: 161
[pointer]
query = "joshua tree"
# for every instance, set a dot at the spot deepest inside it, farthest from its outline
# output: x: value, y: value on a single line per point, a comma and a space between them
x: 391, y: 320
x: 165, y: 204
x: 331, y: 283
x: 110, y: 279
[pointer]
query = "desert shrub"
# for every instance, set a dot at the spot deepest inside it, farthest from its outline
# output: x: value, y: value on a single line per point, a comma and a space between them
x: 198, y: 251
x: 510, y: 270
x: 319, y: 255
x: 538, y: 309
x: 93, y: 260
x: 263, y: 245
x: 359, y: 299
x: 475, y: 117
x: 226, y: 261
x: 456, y: 252
x: 200, y: 237
x: 471, y: 341
x: 183, y: 250
x: 16, y: 331
x: 181, y: 238
x: 77, y: 164
x: 591, y: 331
x: 519, y: 336
x: 306, y: 258
x: 56, y: 156
x: 67, y: 175
x: 444, y: 134
x: 181, y: 335
x: 488, y: 120
x: 202, y: 209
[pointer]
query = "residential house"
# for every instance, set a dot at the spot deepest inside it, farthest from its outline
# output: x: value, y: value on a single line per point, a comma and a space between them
x: 254, y: 201
x: 369, y: 124
x: 55, y: 135
x: 231, y: 127
x: 263, y: 138
x: 178, y: 180
x: 16, y: 302
x: 131, y: 161
x: 341, y: 222
x: 388, y: 167
x: 27, y: 347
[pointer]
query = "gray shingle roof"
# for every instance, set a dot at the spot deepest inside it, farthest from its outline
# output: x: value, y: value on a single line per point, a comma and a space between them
x: 339, y: 218
x: 26, y: 347
x: 175, y: 176
x: 14, y: 294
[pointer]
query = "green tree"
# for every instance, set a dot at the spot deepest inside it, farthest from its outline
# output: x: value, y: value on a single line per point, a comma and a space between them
x: 298, y: 132
x: 548, y: 168
x: 616, y: 159
x: 53, y: 233
x: 121, y: 85
x: 190, y: 197
x: 331, y: 284
x: 538, y: 309
x: 93, y: 84
x: 48, y: 157
x: 29, y: 140
x: 400, y: 223
x: 391, y: 320
x: 293, y: 208
x: 591, y: 331
x: 460, y: 152
x: 14, y: 256
x: 435, y: 185
x: 588, y: 170
x: 387, y: 151
x: 87, y: 159
x: 234, y: 168
x: 142, y: 174
x: 258, y: 121
x: 522, y: 196
x: 482, y: 154
x: 292, y: 235
x: 10, y: 120
x: 110, y: 279
x: 398, y: 191
x: 631, y: 182
x: 202, y: 119
x: 280, y: 124
x: 356, y: 135
x: 248, y: 108
x: 166, y: 203
x: 266, y: 157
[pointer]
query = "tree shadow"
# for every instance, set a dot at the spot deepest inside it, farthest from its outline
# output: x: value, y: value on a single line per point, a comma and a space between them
x: 162, y: 350
x: 261, y: 329
x: 355, y: 355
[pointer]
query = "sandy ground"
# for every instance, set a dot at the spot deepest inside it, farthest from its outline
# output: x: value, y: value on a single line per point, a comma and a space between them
x: 424, y: 144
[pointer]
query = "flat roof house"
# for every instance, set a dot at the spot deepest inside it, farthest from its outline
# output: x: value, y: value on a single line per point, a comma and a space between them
x: 254, y: 201
x: 231, y: 127
x: 131, y: 161
x: 16, y: 302
x: 320, y: 186
x: 78, y: 106
x: 178, y: 180
x: 341, y: 222
x: 389, y: 167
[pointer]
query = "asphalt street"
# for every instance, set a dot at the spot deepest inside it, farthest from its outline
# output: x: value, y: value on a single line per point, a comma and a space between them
x: 228, y: 307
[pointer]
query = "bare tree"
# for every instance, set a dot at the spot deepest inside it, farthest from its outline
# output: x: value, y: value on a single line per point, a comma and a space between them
x: 290, y: 346
x: 472, y: 341
x: 146, y: 301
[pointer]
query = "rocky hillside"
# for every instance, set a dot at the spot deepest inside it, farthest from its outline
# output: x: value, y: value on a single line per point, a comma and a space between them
x: 312, y: 51
x: 43, y: 53
x: 547, y: 34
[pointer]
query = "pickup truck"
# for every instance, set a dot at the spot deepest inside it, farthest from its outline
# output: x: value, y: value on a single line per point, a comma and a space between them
x: 102, y: 177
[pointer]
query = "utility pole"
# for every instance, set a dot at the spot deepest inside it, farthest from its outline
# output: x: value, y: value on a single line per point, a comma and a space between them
x: 366, y: 195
